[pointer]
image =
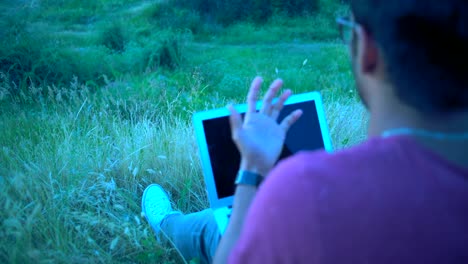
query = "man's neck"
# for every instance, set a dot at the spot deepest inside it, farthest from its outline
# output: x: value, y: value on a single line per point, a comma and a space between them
x: 451, y: 150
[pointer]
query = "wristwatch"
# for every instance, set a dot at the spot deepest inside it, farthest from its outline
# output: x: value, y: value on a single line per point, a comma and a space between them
x: 248, y: 178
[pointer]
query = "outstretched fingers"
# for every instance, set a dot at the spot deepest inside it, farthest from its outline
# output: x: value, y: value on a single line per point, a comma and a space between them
x: 278, y: 106
x: 290, y: 120
x: 252, y: 97
x: 267, y: 105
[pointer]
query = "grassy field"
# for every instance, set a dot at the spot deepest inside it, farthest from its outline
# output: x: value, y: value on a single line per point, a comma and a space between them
x: 75, y: 158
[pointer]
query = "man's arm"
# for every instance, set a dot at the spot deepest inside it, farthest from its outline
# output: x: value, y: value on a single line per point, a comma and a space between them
x: 243, y: 198
x: 259, y: 139
x: 282, y: 225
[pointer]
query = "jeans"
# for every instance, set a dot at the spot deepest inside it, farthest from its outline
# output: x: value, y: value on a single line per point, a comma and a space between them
x: 195, y: 235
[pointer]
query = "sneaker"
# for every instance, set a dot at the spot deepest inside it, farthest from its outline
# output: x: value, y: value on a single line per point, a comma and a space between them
x: 156, y: 206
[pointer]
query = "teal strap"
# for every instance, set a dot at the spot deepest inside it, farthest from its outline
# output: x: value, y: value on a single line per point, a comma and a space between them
x: 425, y: 133
x: 248, y: 178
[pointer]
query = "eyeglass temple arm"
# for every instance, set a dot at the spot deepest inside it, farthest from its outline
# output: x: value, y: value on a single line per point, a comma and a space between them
x: 345, y: 22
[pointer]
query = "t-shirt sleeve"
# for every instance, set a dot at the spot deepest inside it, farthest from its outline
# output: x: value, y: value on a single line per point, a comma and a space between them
x: 282, y: 224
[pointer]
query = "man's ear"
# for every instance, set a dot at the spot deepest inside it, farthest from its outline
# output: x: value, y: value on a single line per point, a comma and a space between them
x: 368, y: 52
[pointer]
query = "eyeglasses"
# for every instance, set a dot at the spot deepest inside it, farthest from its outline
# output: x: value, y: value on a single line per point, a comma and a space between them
x: 346, y: 27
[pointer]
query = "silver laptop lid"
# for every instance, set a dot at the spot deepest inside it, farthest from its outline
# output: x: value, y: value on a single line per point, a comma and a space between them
x: 220, y: 157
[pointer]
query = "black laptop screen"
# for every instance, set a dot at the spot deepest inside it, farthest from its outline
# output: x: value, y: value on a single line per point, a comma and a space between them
x: 305, y: 134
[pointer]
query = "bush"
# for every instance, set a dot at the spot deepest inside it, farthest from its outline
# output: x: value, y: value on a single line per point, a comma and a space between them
x: 167, y: 16
x: 35, y: 59
x: 28, y: 58
x: 114, y: 37
x: 167, y: 53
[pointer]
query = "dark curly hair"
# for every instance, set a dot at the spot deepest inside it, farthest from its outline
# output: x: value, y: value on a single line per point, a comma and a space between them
x: 425, y: 45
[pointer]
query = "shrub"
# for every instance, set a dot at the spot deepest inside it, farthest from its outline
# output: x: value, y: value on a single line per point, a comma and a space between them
x: 167, y: 16
x: 114, y: 37
x: 28, y: 57
x: 167, y: 51
x: 169, y: 54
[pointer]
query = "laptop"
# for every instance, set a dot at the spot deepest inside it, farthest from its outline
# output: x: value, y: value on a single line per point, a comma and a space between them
x: 221, y: 160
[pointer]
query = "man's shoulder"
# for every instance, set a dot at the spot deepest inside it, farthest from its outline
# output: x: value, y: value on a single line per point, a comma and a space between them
x: 366, y: 156
x: 356, y: 174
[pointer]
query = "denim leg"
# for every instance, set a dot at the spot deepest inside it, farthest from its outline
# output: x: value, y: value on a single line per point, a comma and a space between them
x: 195, y: 235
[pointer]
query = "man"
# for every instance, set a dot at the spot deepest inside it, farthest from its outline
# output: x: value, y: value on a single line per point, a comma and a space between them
x: 400, y: 197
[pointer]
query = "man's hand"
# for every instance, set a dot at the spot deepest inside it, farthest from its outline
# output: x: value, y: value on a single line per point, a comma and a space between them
x: 260, y: 140
x: 259, y: 137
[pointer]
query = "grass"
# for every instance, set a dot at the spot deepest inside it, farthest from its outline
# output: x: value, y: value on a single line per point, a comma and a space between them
x: 74, y: 175
x: 74, y: 170
x: 76, y: 157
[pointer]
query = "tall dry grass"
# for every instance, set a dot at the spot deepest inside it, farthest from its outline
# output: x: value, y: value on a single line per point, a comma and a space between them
x: 72, y: 174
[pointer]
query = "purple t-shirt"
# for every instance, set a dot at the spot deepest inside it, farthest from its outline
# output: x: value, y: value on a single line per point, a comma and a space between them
x: 385, y: 201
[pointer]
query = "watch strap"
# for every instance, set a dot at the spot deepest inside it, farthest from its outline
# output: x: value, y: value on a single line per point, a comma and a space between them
x: 248, y: 178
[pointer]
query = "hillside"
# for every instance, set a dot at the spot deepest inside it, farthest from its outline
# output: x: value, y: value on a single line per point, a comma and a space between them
x: 96, y: 99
